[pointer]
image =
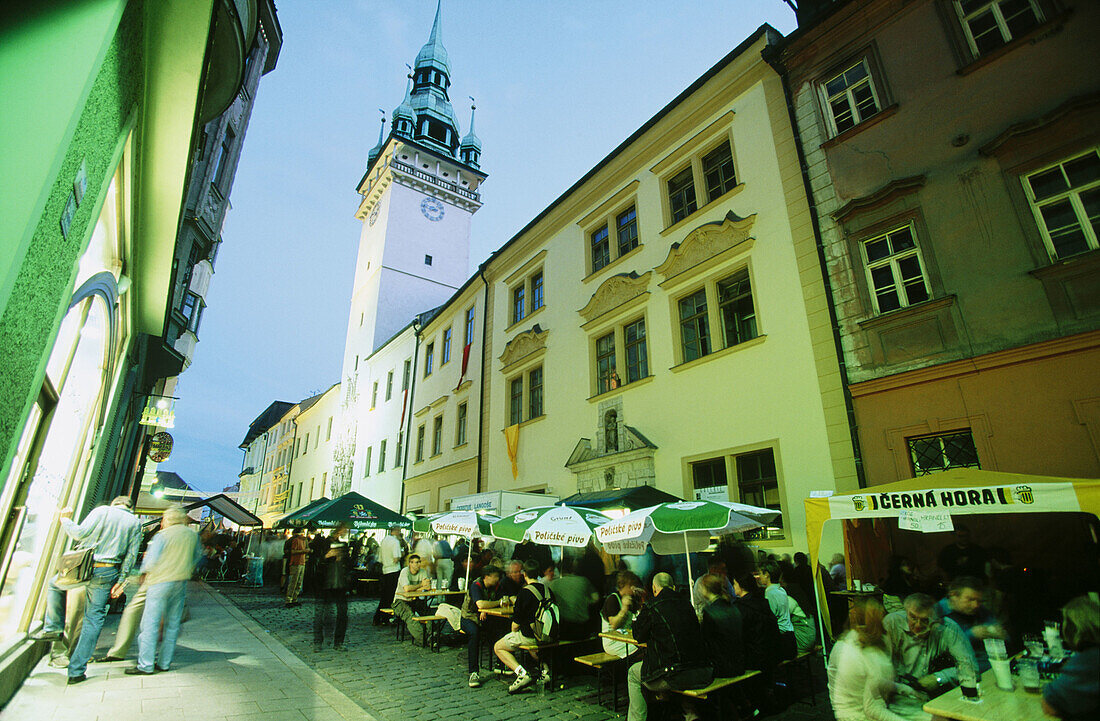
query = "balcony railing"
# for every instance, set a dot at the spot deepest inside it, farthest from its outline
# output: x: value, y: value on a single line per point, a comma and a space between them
x: 417, y: 173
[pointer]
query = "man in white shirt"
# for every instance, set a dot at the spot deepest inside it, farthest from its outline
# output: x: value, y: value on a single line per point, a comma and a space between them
x: 169, y: 562
x: 411, y: 579
x: 389, y: 555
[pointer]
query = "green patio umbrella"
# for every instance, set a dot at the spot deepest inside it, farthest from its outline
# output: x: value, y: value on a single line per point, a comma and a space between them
x: 469, y: 524
x: 550, y: 525
x: 291, y: 520
x: 358, y: 512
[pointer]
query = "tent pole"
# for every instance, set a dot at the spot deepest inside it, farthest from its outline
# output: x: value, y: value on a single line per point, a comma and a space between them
x: 687, y: 553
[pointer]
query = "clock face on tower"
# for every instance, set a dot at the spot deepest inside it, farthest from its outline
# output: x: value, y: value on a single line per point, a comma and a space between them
x: 432, y: 209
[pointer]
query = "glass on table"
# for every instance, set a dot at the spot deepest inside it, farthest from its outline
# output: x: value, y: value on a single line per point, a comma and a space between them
x: 968, y: 681
x: 1033, y: 642
x: 1028, y: 667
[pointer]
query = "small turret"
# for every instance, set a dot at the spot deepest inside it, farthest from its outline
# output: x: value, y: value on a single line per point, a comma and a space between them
x: 404, y: 117
x: 377, y: 149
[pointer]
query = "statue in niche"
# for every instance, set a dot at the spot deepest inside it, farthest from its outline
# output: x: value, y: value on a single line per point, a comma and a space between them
x: 611, y: 431
x: 609, y: 478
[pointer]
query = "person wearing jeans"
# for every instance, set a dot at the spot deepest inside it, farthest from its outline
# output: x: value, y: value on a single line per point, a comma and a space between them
x: 169, y: 562
x: 114, y: 535
x: 331, y: 582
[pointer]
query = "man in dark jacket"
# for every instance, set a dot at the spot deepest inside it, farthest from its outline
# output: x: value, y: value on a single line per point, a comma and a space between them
x: 674, y: 655
x: 331, y: 580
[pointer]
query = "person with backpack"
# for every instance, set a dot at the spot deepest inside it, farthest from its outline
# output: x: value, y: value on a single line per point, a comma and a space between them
x: 534, y: 620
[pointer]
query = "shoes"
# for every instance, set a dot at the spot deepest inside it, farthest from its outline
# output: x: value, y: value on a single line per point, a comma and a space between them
x: 522, y: 681
x: 59, y: 662
x: 78, y: 679
x: 47, y: 636
x: 158, y: 669
x: 106, y: 659
x: 475, y: 680
x: 135, y: 671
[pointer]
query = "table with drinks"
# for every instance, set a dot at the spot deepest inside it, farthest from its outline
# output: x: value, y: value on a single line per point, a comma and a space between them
x: 999, y: 695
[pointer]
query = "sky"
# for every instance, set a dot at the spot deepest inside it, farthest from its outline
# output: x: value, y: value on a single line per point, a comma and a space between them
x: 559, y: 84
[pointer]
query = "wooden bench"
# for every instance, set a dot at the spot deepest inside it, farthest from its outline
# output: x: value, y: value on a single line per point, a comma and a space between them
x: 600, y: 661
x: 430, y: 628
x: 807, y: 657
x: 716, y: 685
x: 553, y: 646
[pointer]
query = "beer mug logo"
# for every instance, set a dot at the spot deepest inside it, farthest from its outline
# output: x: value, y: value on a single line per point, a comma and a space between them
x: 1023, y: 494
x: 859, y: 504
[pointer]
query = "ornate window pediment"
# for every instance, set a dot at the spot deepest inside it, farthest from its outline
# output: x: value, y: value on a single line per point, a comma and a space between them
x: 705, y: 242
x: 613, y: 292
x: 523, y: 345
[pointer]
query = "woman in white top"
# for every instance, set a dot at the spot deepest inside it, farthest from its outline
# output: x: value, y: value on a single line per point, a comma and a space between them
x: 861, y: 676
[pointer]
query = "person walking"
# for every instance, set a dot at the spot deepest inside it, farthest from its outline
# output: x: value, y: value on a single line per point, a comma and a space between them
x: 114, y: 535
x: 331, y: 582
x: 169, y: 562
x: 297, y: 555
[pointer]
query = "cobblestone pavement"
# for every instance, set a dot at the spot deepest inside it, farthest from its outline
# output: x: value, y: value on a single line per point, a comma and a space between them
x: 397, y: 681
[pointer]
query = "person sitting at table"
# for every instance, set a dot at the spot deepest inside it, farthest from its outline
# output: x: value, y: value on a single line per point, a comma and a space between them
x: 577, y: 599
x: 860, y: 675
x: 767, y: 576
x: 901, y: 582
x: 484, y: 593
x: 964, y: 605
x: 675, y: 656
x: 716, y: 566
x: 513, y: 579
x: 412, y: 578
x: 1075, y: 694
x: 917, y: 636
x: 805, y: 630
x: 618, y: 614
x: 760, y: 637
x: 526, y: 608
x: 721, y: 623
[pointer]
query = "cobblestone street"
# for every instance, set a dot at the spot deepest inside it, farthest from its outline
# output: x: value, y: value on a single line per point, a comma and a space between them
x: 396, y: 681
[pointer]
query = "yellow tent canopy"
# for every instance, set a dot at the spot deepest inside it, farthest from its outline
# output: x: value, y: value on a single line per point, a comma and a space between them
x: 958, y: 492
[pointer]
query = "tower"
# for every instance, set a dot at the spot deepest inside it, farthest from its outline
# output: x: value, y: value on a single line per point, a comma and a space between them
x: 418, y: 195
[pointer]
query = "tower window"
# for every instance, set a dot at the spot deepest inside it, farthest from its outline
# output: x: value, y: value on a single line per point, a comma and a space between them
x: 427, y: 260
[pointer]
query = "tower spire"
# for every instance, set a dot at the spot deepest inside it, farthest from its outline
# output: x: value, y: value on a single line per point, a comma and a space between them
x: 377, y: 149
x: 404, y: 116
x: 469, y: 150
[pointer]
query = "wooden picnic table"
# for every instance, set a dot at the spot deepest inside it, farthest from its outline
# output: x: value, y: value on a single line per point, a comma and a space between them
x: 433, y: 593
x: 993, y: 705
x: 624, y: 637
x: 499, y: 612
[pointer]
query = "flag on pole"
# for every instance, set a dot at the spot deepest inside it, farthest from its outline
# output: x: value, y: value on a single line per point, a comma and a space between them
x: 511, y: 437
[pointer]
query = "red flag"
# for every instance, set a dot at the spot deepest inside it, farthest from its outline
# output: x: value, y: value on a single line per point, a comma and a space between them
x: 465, y: 363
x: 404, y: 402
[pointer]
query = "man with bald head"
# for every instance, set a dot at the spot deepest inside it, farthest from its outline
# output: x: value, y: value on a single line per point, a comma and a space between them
x: 674, y: 656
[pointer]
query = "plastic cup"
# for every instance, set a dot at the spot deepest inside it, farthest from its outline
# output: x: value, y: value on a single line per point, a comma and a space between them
x: 1054, y: 640
x: 1033, y: 642
x: 1002, y: 672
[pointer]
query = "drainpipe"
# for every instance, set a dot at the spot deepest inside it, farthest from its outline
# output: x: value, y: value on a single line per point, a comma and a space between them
x: 481, y: 400
x: 409, y: 414
x: 771, y: 56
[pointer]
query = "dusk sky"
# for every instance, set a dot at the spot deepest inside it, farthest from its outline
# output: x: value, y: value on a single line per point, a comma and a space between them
x: 558, y: 86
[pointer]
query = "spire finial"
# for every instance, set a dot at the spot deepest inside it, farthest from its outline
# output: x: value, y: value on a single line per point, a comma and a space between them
x: 382, y: 130
x: 473, y: 109
x: 437, y: 26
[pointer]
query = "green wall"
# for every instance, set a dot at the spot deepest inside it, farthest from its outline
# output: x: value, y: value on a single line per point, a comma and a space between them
x: 74, y: 70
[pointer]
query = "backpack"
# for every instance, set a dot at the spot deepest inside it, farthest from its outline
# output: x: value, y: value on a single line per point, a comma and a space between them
x: 547, y: 617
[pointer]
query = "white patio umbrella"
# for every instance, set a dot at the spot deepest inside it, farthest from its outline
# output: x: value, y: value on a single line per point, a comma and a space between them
x: 680, y: 527
x: 469, y: 524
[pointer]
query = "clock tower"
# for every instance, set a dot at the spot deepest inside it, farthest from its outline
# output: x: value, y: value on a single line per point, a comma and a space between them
x: 418, y: 195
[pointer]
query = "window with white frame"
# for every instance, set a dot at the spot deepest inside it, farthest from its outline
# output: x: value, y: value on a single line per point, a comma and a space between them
x: 446, y: 354
x: 398, y: 456
x: 615, y: 236
x: 709, y: 174
x: 389, y: 385
x: 527, y: 297
x: 895, y: 271
x: 515, y: 401
x: 469, y: 325
x: 694, y: 325
x: 631, y: 338
x: 758, y: 485
x: 606, y: 376
x: 1066, y: 201
x: 420, y: 443
x: 374, y: 395
x: 366, y: 463
x: 460, y: 425
x: 718, y: 172
x: 519, y: 303
x: 990, y: 24
x: 525, y: 392
x: 850, y: 97
x: 534, y: 393
x: 681, y: 194
x: 429, y: 359
x: 437, y: 436
x: 382, y: 456
x: 735, y: 308
x: 719, y: 315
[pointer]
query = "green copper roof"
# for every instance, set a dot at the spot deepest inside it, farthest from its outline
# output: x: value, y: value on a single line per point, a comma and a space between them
x: 433, y: 53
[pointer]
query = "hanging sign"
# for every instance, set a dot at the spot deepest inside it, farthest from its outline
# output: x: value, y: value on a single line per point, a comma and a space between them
x: 160, y: 447
x: 159, y: 411
x: 925, y: 521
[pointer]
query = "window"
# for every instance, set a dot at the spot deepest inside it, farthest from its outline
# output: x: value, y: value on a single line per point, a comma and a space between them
x: 328, y: 432
x: 850, y: 98
x: 681, y: 195
x: 758, y: 485
x: 735, y: 309
x: 446, y: 347
x: 515, y: 401
x: 939, y: 453
x: 420, y: 443
x: 694, y: 335
x: 534, y: 393
x: 429, y: 358
x: 382, y: 456
x: 1066, y: 203
x: 437, y: 436
x: 637, y: 361
x: 469, y: 325
x: 989, y: 25
x: 406, y: 374
x: 718, y: 171
x: 606, y: 377
x: 374, y: 395
x: 221, y: 164
x: 305, y: 448
x: 389, y: 385
x: 518, y: 310
x: 366, y: 463
x: 709, y: 480
x: 601, y: 248
x: 894, y: 270
x: 460, y: 425
x: 626, y: 230
x: 536, y: 291
x: 191, y: 308
x: 400, y: 445
x: 427, y: 260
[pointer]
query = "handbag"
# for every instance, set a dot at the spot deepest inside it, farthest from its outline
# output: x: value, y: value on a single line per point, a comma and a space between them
x: 74, y: 569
